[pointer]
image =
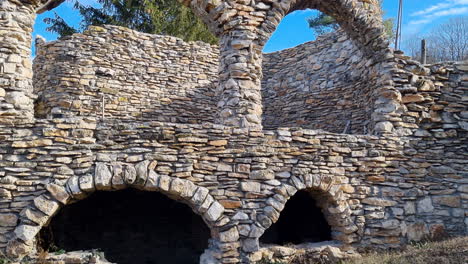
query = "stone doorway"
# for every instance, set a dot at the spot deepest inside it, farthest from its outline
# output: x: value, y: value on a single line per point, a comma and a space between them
x: 129, y: 226
x: 301, y: 221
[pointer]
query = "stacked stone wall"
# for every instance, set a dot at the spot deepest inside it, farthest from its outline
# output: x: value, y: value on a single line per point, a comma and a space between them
x: 407, y: 182
x: 433, y: 117
x: 16, y: 97
x: 123, y: 74
x: 326, y: 84
x: 371, y: 188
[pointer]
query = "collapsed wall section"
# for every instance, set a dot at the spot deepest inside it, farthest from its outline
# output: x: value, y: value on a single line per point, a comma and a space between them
x: 326, y: 84
x: 119, y: 73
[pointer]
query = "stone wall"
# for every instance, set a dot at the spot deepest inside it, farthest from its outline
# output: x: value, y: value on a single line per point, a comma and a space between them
x: 326, y: 84
x: 407, y: 182
x: 373, y: 190
x: 133, y: 75
x: 16, y: 97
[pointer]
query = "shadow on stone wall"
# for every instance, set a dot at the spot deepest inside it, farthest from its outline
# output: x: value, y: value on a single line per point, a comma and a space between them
x: 325, y: 84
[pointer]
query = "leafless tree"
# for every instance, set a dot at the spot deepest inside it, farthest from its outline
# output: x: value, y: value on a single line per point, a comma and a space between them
x: 446, y: 42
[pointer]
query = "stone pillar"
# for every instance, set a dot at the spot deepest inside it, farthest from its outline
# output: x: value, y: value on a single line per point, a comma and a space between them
x: 16, y: 90
x: 240, y: 99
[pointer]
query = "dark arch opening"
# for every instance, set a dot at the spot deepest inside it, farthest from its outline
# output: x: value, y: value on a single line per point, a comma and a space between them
x: 130, y: 227
x: 301, y: 221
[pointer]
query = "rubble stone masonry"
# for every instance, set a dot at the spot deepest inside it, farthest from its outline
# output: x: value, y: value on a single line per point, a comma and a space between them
x: 379, y: 140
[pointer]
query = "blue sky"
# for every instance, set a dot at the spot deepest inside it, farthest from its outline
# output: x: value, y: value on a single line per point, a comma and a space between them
x: 419, y: 16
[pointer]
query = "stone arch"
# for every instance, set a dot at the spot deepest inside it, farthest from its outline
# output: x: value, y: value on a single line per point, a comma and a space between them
x: 361, y: 20
x: 329, y: 197
x: 112, y: 177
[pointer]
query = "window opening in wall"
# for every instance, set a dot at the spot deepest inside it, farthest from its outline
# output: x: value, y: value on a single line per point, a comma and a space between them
x: 301, y: 221
x: 293, y: 30
x: 130, y: 227
x: 323, y: 84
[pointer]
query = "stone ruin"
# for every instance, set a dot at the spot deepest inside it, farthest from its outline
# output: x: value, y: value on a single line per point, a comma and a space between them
x: 222, y: 154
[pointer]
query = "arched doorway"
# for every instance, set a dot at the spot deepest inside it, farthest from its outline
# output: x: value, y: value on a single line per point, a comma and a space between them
x: 301, y: 221
x: 129, y: 226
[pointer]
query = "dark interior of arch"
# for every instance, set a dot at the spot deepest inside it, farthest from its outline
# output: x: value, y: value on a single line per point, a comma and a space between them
x: 130, y: 227
x: 301, y: 221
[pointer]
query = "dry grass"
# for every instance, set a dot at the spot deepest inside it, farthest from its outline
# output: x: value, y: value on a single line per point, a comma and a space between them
x: 452, y: 251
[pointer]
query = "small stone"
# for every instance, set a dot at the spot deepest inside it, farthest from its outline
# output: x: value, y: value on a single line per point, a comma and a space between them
x: 103, y: 177
x: 130, y: 174
x: 463, y: 125
x: 218, y: 143
x: 250, y: 245
x: 417, y: 231
x: 240, y: 216
x: 142, y: 172
x: 199, y: 196
x: 27, y: 232
x: 283, y: 174
x: 425, y: 205
x: 87, y: 183
x: 262, y: 175
x: 18, y: 99
x: 250, y: 186
x: 45, y: 205
x: 378, y: 202
x: 451, y: 201
x: 8, y: 219
x: 231, y: 204
x: 224, y: 167
x: 230, y: 235
x: 243, y: 168
x: 441, y: 170
x: 177, y: 186
x: 413, y: 98
x: 32, y: 144
x: 384, y: 126
x: 9, y: 68
x: 35, y: 216
x: 214, y: 212
x: 58, y: 192
x: 410, y: 208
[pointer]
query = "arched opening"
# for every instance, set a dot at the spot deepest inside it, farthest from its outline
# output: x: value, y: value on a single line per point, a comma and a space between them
x: 301, y: 221
x: 329, y: 83
x: 129, y: 226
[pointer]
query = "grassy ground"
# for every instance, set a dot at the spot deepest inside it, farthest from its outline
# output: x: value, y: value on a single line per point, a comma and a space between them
x: 452, y: 251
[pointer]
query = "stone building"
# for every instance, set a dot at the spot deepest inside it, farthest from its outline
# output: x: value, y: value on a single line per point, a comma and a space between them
x: 160, y: 151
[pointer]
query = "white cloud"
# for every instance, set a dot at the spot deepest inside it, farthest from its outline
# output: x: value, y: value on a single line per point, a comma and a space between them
x: 442, y: 9
x: 445, y: 8
x: 419, y: 22
x: 432, y: 9
x: 451, y: 12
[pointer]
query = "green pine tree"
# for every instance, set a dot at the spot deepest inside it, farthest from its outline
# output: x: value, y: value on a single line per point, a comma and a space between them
x: 165, y: 17
x: 322, y: 23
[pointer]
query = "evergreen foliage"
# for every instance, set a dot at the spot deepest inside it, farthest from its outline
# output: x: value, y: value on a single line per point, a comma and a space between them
x: 322, y: 23
x: 165, y: 17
